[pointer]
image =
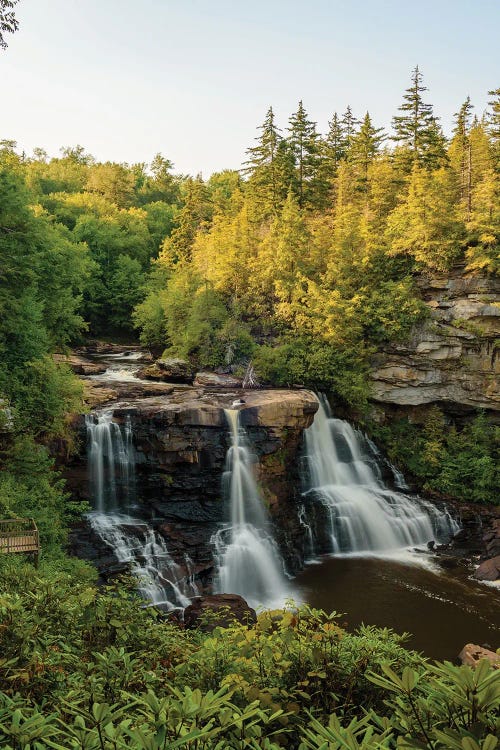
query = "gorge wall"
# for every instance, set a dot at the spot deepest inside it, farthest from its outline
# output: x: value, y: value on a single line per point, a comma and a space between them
x: 451, y: 359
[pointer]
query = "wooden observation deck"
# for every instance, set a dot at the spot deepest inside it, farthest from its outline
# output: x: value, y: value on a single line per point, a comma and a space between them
x: 20, y: 535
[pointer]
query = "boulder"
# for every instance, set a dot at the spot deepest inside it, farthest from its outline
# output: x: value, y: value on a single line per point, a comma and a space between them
x: 489, y: 570
x: 218, y: 610
x: 471, y: 654
x: 214, y: 380
x: 169, y: 370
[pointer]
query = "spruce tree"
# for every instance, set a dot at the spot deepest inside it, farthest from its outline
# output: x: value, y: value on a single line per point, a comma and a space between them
x: 460, y: 153
x: 349, y: 127
x: 333, y: 147
x: 304, y: 144
x: 264, y: 165
x: 177, y: 248
x: 493, y: 125
x: 365, y: 145
x: 494, y: 115
x: 417, y: 128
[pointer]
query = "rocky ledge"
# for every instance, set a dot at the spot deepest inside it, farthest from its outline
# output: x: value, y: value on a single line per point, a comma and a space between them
x: 181, y: 440
x: 452, y: 358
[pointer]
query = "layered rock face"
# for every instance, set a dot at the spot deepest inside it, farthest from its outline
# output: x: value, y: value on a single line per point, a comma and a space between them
x: 452, y: 358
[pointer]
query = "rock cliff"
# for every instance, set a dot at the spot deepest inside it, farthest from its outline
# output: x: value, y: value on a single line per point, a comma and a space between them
x: 452, y: 358
x: 181, y: 439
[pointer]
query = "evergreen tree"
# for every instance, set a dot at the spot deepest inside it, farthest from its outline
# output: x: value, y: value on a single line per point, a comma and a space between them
x: 332, y: 149
x: 177, y: 247
x: 493, y: 125
x: 426, y: 225
x: 460, y: 153
x: 264, y: 165
x: 304, y: 144
x: 494, y: 115
x: 365, y: 145
x: 349, y: 126
x: 417, y: 128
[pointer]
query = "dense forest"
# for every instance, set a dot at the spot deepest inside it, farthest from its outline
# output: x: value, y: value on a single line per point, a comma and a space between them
x: 301, y: 264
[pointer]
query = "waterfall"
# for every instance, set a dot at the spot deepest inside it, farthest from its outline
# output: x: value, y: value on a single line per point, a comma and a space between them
x: 363, y: 515
x: 160, y: 580
x: 111, y: 460
x: 249, y: 563
x: 111, y: 465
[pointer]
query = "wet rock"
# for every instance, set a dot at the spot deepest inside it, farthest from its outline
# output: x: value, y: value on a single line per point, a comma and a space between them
x: 216, y: 380
x: 181, y: 438
x: 488, y: 570
x: 471, y: 654
x: 80, y: 365
x: 218, y: 610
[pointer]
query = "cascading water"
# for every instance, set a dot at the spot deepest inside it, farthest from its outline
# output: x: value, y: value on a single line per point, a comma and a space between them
x: 362, y: 513
x: 249, y: 563
x: 111, y: 464
x: 111, y: 461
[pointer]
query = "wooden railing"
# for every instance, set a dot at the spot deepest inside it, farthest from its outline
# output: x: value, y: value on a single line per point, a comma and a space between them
x: 20, y: 535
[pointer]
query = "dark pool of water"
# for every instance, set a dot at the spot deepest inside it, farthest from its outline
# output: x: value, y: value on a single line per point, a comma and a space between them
x: 442, y: 610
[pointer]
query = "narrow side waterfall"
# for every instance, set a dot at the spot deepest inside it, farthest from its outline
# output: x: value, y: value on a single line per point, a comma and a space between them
x: 111, y: 466
x: 249, y: 563
x: 363, y: 515
x: 111, y: 461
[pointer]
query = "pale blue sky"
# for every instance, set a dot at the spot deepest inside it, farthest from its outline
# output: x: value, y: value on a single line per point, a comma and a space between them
x: 193, y: 78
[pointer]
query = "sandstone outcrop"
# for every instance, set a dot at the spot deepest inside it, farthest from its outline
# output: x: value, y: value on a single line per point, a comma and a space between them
x: 80, y: 365
x: 451, y: 358
x: 471, y: 655
x: 169, y: 370
x: 216, y: 380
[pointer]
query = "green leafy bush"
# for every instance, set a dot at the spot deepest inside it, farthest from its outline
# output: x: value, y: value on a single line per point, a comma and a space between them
x: 463, y: 463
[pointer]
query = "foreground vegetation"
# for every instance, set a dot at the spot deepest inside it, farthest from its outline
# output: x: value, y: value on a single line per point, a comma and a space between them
x: 89, y: 669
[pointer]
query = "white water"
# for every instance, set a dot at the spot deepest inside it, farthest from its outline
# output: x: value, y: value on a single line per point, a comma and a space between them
x: 363, y: 514
x: 111, y: 460
x: 249, y: 563
x: 111, y: 464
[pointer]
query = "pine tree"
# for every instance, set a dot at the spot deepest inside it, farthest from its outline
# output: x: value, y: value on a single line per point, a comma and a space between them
x: 426, y: 225
x: 305, y: 146
x: 349, y: 126
x: 177, y: 248
x: 494, y: 115
x: 264, y: 165
x: 333, y: 147
x: 493, y: 125
x: 365, y: 145
x: 417, y: 128
x: 461, y: 153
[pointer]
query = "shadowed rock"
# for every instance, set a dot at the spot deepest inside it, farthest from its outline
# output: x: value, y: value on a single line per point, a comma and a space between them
x: 218, y: 610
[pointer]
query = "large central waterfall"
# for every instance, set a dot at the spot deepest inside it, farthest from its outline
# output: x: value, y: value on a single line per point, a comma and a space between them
x: 249, y: 561
x: 362, y: 513
x: 111, y: 466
